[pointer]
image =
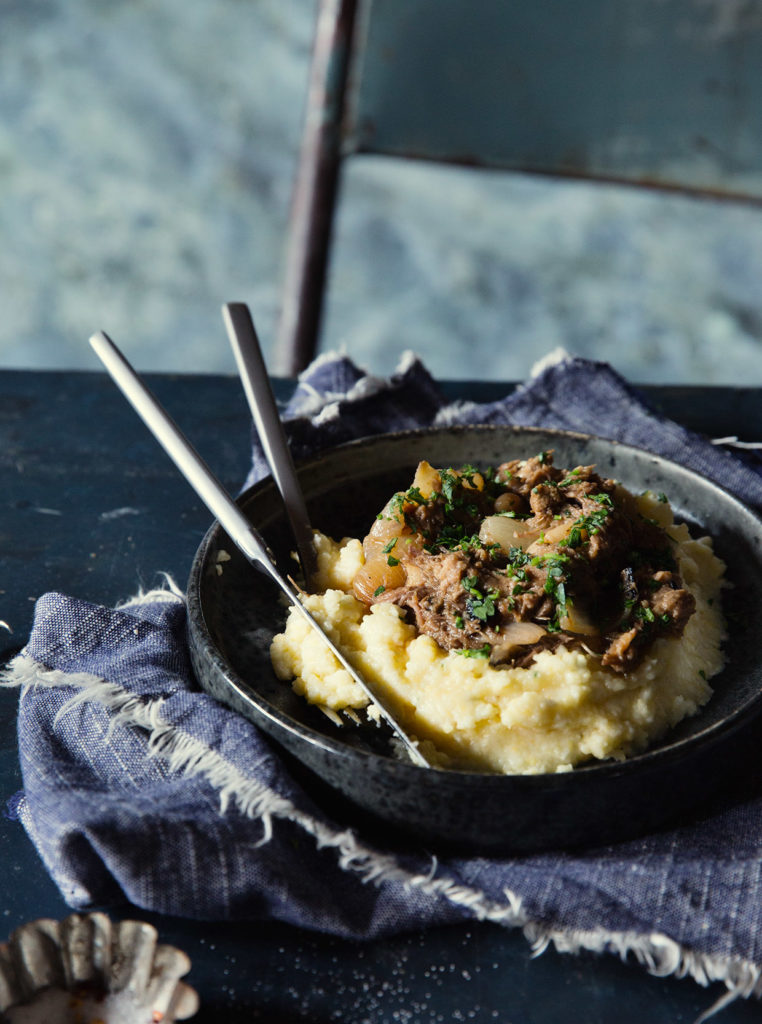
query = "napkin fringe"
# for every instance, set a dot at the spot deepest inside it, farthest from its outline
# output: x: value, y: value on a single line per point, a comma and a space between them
x: 185, y: 755
x: 188, y: 756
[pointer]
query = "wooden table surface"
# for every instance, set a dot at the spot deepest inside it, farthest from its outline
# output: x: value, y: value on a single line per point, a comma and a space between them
x: 92, y: 507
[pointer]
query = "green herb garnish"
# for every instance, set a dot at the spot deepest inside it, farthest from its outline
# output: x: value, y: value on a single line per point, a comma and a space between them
x: 476, y: 652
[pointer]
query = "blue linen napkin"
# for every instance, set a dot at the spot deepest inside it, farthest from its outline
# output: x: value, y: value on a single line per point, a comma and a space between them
x: 138, y: 785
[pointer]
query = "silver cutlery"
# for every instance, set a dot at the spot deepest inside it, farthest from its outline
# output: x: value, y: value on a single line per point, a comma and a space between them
x: 259, y: 394
x: 245, y: 536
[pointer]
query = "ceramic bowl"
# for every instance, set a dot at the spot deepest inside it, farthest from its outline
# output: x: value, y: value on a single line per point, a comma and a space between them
x: 234, y: 613
x: 87, y: 969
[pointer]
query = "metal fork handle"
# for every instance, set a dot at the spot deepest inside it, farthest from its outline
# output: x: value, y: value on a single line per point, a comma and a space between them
x: 222, y: 506
x: 259, y: 394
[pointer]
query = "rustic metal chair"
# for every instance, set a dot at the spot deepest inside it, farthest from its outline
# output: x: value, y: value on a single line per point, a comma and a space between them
x: 658, y: 93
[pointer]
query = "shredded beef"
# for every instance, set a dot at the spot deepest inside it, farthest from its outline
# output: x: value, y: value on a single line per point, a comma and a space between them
x: 581, y: 567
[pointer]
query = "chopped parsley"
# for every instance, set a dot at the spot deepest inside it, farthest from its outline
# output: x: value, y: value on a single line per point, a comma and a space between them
x: 479, y: 605
x: 482, y: 608
x: 476, y: 652
x: 450, y: 486
x: 387, y: 548
x: 517, y: 557
x: 469, y: 583
x: 571, y: 478
x: 585, y: 527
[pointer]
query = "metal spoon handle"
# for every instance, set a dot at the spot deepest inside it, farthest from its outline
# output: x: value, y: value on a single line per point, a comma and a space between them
x: 412, y: 748
x: 222, y: 506
x: 256, y: 385
x: 182, y: 453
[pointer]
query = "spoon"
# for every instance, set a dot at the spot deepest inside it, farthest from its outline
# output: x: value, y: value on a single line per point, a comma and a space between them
x: 256, y: 385
x: 221, y: 505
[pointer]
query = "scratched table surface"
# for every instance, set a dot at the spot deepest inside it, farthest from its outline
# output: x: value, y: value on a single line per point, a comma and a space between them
x: 92, y: 507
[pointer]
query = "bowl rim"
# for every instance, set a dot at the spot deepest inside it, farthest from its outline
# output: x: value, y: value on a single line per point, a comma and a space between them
x: 666, y: 752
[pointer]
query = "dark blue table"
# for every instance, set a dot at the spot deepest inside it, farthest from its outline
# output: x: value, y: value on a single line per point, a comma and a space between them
x: 92, y: 507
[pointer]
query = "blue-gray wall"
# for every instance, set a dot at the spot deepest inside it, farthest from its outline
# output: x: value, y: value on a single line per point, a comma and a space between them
x: 146, y: 158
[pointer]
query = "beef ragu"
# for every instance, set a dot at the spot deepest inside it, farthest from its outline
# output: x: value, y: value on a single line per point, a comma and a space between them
x: 501, y: 563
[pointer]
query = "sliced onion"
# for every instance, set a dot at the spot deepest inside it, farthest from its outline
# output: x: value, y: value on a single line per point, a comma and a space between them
x: 377, y: 575
x: 387, y: 524
x: 507, y: 533
x: 556, y: 533
x: 389, y: 538
x: 576, y: 620
x: 521, y: 632
x: 553, y: 535
x: 516, y: 634
x: 427, y: 479
x: 384, y: 530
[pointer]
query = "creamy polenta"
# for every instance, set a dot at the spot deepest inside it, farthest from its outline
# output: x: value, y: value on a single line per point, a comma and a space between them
x: 562, y: 709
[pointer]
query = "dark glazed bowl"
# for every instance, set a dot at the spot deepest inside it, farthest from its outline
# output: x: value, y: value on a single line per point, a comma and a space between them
x: 233, y: 615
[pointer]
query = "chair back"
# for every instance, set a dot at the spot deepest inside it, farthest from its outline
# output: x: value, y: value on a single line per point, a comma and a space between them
x: 664, y: 94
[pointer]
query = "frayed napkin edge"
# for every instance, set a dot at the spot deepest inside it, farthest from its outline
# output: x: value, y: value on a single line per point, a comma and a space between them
x: 660, y: 955
x: 322, y: 406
